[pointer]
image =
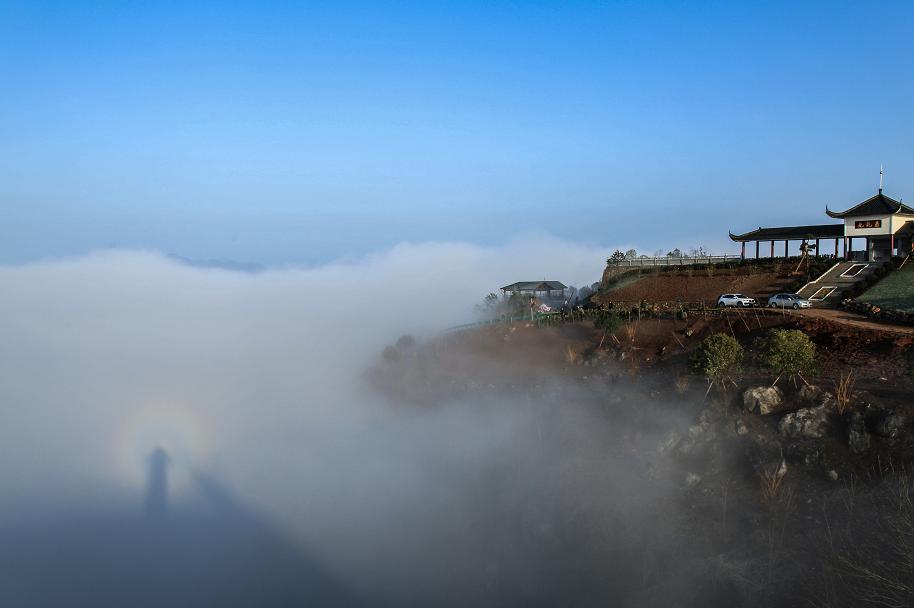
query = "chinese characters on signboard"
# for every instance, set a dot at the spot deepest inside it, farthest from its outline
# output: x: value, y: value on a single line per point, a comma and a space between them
x: 868, y: 224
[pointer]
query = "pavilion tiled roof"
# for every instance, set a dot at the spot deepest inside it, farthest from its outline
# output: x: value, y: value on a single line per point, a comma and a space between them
x: 792, y: 233
x: 534, y: 286
x: 876, y: 205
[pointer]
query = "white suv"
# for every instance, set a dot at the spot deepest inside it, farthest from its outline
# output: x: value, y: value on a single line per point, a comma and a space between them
x: 735, y: 299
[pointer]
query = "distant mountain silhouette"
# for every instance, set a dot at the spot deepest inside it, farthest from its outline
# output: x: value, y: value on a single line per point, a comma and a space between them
x: 249, y: 267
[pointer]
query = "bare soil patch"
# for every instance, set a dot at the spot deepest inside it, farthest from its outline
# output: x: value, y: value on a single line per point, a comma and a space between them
x: 696, y: 288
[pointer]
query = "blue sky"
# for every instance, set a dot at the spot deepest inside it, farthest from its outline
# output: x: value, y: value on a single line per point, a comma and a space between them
x: 298, y: 133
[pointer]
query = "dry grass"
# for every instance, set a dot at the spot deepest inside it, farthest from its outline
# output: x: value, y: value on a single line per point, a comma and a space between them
x: 631, y: 332
x: 772, y: 483
x: 874, y: 559
x: 682, y: 384
x: 571, y: 354
x: 844, y: 388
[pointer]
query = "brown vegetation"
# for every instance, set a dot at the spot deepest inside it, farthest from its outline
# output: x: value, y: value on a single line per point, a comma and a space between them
x: 674, y: 287
x: 844, y: 388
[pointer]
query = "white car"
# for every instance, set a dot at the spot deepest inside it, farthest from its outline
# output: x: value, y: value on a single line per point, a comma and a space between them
x: 735, y: 299
x: 788, y: 300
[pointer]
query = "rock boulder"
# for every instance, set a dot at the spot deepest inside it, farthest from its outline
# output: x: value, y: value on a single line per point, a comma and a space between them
x: 890, y: 425
x: 763, y: 399
x: 807, y: 423
x: 858, y: 440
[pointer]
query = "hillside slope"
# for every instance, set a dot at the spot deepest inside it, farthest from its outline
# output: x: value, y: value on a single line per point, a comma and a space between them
x: 697, y: 286
x: 895, y: 291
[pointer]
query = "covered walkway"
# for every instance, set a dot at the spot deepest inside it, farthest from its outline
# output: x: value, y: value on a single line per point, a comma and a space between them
x: 813, y: 235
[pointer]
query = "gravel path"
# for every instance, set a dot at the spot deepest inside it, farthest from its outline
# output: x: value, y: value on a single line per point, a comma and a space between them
x: 854, y: 320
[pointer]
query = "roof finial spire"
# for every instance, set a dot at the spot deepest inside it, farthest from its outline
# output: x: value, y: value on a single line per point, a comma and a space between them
x: 880, y: 179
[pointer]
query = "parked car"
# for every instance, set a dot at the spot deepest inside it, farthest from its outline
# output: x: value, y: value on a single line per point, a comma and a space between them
x: 735, y: 299
x: 788, y: 300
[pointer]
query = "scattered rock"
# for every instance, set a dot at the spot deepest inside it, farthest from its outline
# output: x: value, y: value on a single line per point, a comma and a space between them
x: 669, y: 442
x: 741, y: 428
x: 807, y: 423
x: 686, y: 447
x: 890, y: 425
x: 763, y: 399
x: 767, y: 459
x: 810, y: 393
x: 832, y: 474
x: 858, y: 440
x: 692, y: 479
x: 772, y: 468
x: 803, y: 452
x: 814, y: 395
x: 700, y: 436
x: 713, y: 414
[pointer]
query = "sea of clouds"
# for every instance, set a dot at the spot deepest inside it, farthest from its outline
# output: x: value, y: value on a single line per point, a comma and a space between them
x: 257, y: 380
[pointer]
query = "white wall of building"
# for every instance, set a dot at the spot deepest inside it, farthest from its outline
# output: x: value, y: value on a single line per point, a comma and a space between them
x: 891, y: 223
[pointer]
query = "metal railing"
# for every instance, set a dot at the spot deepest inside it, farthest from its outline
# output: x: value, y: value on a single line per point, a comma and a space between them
x: 671, y: 261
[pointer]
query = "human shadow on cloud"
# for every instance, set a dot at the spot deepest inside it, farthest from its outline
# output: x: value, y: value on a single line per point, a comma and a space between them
x: 216, y: 554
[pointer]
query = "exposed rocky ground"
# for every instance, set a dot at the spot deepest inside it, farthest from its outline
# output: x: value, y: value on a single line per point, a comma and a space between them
x: 755, y: 496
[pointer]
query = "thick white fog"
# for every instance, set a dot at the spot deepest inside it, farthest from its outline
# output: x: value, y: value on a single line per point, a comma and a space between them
x: 99, y: 351
x: 256, y: 381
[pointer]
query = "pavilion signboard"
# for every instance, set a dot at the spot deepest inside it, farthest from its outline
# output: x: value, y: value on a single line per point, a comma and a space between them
x: 865, y: 224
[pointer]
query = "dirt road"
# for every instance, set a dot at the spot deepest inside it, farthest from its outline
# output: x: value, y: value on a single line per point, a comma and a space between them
x: 847, y: 318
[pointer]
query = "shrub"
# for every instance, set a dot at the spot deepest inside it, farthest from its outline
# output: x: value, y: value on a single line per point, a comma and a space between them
x: 788, y: 352
x: 390, y: 353
x: 405, y: 342
x: 607, y: 321
x: 718, y: 358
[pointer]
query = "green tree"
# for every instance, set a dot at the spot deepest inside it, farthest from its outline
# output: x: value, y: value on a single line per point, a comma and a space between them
x: 788, y: 352
x: 616, y: 257
x: 607, y: 321
x: 719, y: 358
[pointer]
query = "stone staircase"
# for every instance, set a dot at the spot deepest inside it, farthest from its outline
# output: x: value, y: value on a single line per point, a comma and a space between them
x: 828, y: 288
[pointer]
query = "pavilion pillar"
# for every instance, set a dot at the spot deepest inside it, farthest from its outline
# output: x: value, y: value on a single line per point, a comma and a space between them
x: 866, y: 249
x: 836, y: 249
x: 892, y: 246
x: 772, y: 248
x: 756, y: 249
x: 786, y: 252
x: 850, y: 247
x: 817, y: 247
x: 743, y: 252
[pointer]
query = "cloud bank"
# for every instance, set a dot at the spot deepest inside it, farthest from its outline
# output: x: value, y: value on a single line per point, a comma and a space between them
x: 256, y: 380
